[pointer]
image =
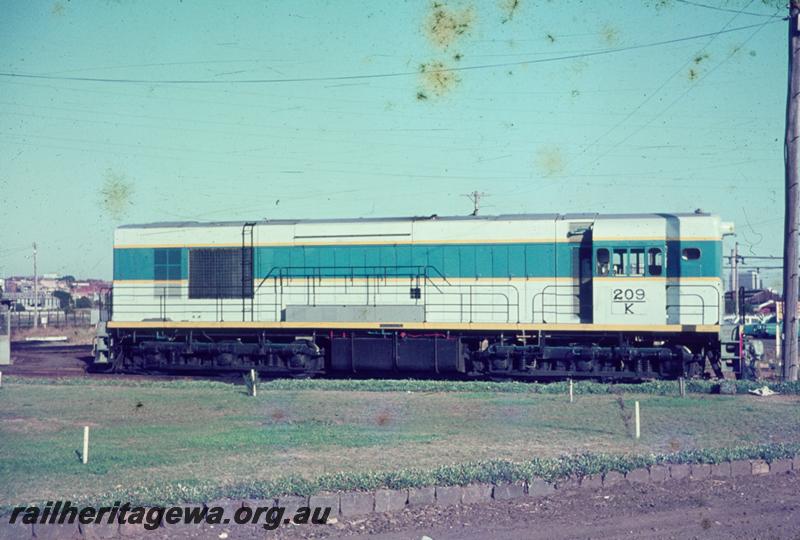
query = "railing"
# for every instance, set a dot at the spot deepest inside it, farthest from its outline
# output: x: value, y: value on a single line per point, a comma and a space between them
x: 548, y: 301
x: 166, y: 302
x: 438, y: 297
x: 694, y: 303
x: 352, y: 272
x: 475, y: 303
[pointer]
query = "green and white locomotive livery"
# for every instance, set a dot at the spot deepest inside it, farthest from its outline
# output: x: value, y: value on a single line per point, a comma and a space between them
x: 536, y: 296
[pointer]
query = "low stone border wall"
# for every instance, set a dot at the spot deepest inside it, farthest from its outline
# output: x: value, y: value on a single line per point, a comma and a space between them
x: 355, y: 504
x: 362, y: 503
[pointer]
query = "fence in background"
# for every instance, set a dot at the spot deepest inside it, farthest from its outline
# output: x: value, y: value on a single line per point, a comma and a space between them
x: 24, y: 320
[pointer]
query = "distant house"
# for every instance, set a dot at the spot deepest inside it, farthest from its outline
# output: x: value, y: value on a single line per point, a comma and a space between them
x: 20, y: 290
x: 91, y: 289
x: 28, y: 300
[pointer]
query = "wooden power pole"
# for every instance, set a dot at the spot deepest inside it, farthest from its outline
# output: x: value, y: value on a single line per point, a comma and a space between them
x: 735, y: 280
x: 791, y: 265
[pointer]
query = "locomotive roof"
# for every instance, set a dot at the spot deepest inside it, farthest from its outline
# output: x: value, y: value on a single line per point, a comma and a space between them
x: 501, y: 217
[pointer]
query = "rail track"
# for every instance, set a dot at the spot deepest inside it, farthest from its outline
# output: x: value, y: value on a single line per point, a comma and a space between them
x: 60, y: 360
x: 63, y: 360
x: 46, y: 360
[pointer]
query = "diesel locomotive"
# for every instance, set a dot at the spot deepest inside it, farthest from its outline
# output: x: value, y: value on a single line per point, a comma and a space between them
x: 606, y: 296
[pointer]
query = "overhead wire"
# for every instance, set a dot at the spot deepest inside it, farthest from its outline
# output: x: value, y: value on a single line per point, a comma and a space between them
x: 727, y: 10
x: 680, y: 97
x: 660, y: 87
x: 602, y: 52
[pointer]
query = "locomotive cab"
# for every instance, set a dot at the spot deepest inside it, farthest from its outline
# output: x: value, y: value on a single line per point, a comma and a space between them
x: 657, y: 270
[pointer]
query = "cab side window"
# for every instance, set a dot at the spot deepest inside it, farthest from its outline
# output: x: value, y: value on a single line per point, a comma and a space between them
x: 602, y: 262
x: 691, y: 263
x: 637, y: 262
x: 655, y: 261
x: 690, y: 254
x: 620, y: 262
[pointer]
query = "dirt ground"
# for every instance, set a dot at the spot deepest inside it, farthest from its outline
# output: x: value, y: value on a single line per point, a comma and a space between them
x: 72, y: 360
x: 57, y: 360
x: 76, y: 335
x: 764, y: 508
x: 754, y: 507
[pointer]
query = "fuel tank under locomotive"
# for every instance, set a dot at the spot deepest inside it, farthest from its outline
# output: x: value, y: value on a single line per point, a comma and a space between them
x: 452, y: 355
x: 398, y: 354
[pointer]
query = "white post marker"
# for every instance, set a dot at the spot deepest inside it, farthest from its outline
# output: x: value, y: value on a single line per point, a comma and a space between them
x: 1, y: 379
x: 682, y: 386
x: 253, y: 382
x: 636, y: 415
x: 85, y: 454
x: 571, y: 400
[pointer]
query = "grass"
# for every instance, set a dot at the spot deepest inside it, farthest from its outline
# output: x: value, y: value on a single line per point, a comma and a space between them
x: 425, y: 385
x: 181, y: 440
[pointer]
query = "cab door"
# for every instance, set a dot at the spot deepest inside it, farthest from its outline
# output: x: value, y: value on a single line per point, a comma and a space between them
x: 582, y: 272
x: 573, y: 297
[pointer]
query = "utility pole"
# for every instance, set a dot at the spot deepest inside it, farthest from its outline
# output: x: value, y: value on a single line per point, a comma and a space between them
x: 735, y: 277
x: 475, y: 197
x: 791, y: 277
x: 35, y: 290
x: 779, y: 334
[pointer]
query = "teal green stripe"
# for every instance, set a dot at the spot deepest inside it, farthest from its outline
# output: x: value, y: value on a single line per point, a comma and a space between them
x: 448, y: 260
x: 463, y: 260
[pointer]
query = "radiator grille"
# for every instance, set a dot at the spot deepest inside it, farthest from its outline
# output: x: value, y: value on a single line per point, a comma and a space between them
x: 221, y: 273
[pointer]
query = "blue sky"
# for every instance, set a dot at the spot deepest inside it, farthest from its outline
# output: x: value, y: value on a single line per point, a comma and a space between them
x: 341, y: 109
